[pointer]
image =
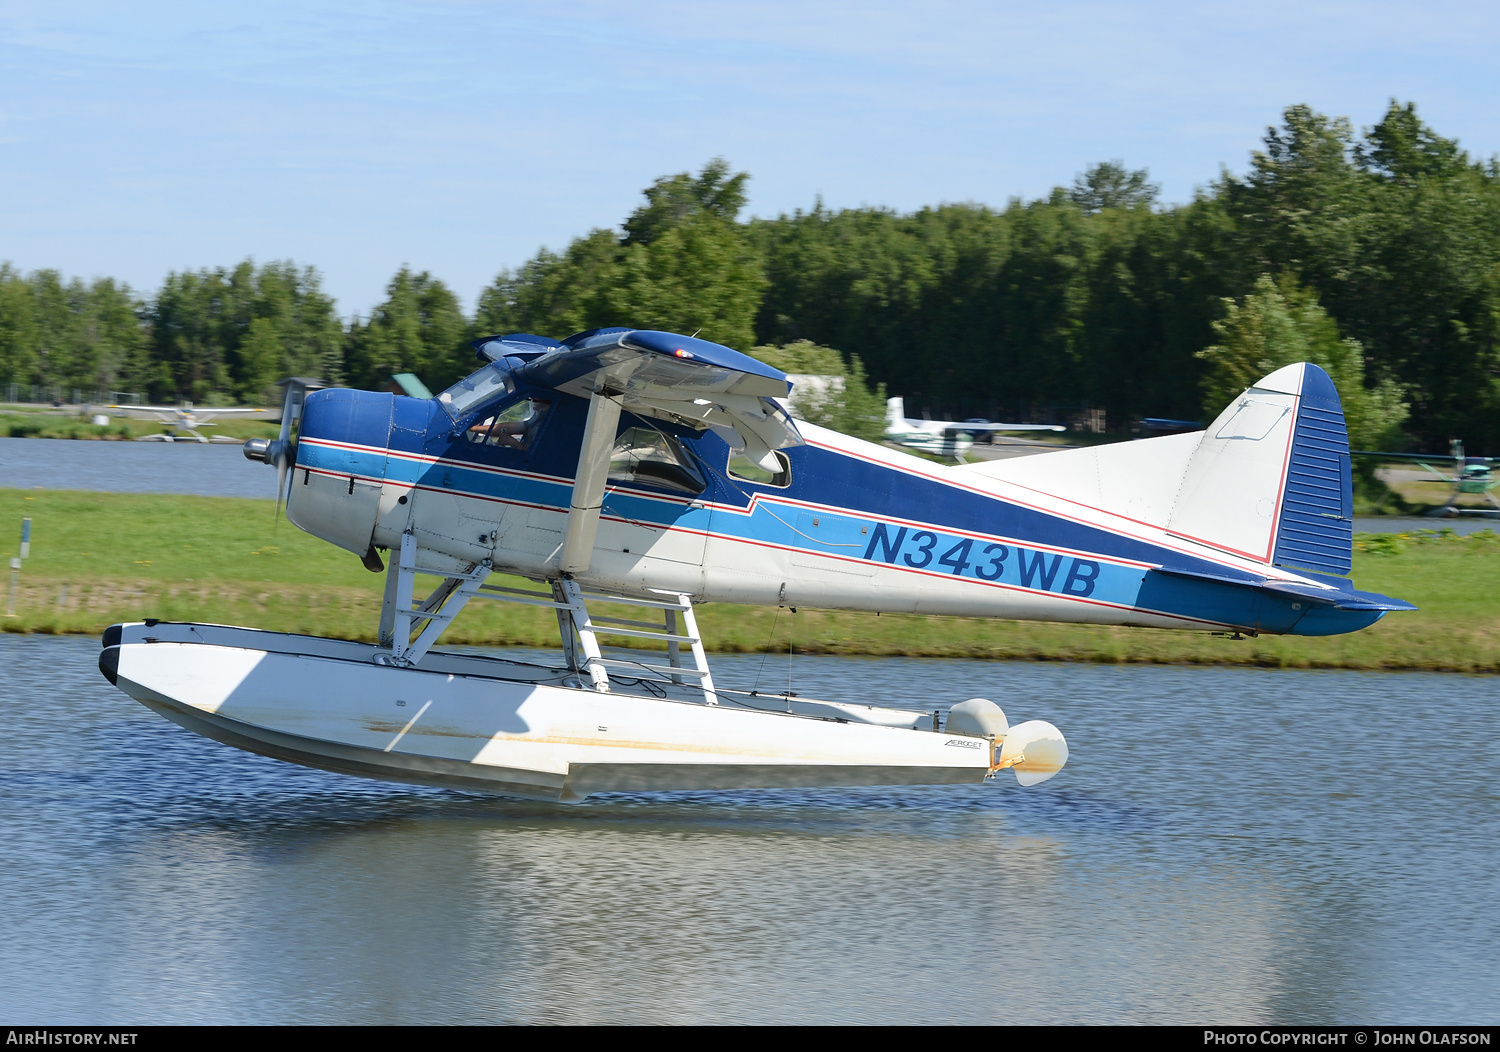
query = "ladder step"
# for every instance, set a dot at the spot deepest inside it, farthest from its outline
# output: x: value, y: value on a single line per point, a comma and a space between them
x: 668, y: 670
x: 596, y: 619
x: 515, y: 591
x: 638, y: 633
x: 483, y: 594
x: 656, y: 604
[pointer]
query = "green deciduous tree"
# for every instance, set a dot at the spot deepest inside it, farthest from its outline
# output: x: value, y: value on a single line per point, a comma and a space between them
x: 1398, y: 234
x: 1110, y: 184
x: 675, y: 200
x: 844, y: 402
x: 1280, y: 324
x: 229, y: 334
x: 682, y: 264
x: 68, y: 334
x: 17, y: 328
x: 419, y: 329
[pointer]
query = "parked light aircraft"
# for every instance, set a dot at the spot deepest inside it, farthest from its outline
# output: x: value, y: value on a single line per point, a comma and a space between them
x: 948, y: 438
x: 184, y: 420
x: 1469, y: 475
x: 634, y: 474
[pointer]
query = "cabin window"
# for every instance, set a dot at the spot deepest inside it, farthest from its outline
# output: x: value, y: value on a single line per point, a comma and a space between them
x: 653, y: 459
x: 514, y: 427
x: 488, y: 383
x: 747, y: 470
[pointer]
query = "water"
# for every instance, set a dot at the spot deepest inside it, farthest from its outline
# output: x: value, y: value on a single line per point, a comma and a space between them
x: 1225, y: 845
x: 1462, y: 525
x: 134, y: 467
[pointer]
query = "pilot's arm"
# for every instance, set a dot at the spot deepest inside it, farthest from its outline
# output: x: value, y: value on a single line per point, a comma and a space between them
x: 510, y: 433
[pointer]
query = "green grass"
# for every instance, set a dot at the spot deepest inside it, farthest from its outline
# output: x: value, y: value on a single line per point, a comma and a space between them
x: 99, y: 558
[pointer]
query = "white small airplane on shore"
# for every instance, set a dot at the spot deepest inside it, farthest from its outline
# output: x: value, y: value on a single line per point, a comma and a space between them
x: 634, y: 474
x: 948, y: 438
x: 187, y: 418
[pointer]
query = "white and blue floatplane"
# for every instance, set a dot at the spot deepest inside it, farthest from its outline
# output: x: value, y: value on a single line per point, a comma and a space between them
x: 633, y: 474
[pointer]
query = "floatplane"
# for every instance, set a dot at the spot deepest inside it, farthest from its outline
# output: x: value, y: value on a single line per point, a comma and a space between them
x: 184, y: 420
x: 633, y: 475
x: 946, y: 438
x: 1469, y: 475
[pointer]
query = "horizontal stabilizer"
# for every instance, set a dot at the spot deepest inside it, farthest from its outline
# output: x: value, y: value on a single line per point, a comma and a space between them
x: 1340, y: 593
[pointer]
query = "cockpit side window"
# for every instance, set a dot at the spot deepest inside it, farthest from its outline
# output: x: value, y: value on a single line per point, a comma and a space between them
x: 742, y: 467
x: 653, y: 459
x: 514, y: 427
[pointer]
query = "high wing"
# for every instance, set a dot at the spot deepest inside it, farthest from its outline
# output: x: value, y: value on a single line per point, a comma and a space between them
x: 658, y: 374
x: 1421, y: 458
x: 654, y: 374
x: 194, y: 410
x: 952, y: 427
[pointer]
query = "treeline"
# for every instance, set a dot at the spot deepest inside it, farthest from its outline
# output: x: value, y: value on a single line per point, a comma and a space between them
x: 218, y: 335
x: 1377, y: 255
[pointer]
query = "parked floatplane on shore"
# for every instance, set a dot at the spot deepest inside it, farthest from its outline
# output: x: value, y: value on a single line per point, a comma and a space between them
x: 633, y: 474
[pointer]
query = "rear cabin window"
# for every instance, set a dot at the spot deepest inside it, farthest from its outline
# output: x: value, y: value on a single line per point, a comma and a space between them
x: 653, y: 459
x: 514, y: 427
x: 747, y: 470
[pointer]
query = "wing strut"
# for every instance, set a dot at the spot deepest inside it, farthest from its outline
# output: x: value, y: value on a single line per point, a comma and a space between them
x: 588, y: 481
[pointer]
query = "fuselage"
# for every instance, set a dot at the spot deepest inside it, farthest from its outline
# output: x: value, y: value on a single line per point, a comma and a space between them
x: 846, y: 525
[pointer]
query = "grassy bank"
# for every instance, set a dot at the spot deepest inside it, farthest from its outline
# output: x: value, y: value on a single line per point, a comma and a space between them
x: 99, y: 558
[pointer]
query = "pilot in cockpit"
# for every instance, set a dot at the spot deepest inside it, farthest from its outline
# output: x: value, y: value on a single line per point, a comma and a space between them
x: 513, y: 428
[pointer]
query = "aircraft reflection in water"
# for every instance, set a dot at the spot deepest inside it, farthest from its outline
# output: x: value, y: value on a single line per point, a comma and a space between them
x: 645, y: 472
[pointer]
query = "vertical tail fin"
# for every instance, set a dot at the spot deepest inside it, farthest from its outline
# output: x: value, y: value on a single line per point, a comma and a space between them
x: 895, y: 414
x: 1270, y: 479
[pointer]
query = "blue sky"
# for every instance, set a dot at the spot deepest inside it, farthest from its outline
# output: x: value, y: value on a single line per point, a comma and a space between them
x: 460, y: 137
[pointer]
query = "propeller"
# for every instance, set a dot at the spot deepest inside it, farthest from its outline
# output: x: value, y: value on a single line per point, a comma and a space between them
x: 281, y: 452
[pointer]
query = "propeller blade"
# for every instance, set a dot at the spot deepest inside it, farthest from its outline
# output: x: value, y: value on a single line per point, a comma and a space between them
x: 288, y: 407
x: 283, y: 451
x: 285, y: 448
x: 280, y: 482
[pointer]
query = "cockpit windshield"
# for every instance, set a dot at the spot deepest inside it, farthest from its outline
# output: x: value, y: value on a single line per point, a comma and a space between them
x: 473, y: 390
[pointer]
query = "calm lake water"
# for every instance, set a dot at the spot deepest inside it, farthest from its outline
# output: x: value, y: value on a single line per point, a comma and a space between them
x: 134, y: 467
x: 1225, y: 845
